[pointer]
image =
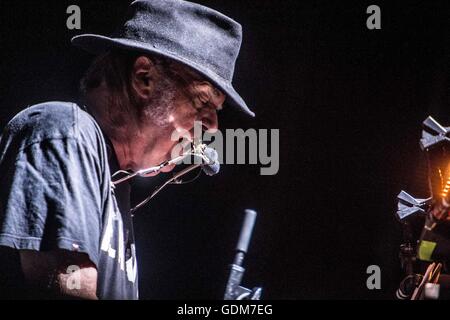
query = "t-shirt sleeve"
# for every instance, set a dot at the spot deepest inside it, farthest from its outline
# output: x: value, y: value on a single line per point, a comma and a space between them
x: 51, y: 198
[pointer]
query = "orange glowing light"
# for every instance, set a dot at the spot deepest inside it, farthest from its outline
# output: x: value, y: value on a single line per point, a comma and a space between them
x: 446, y: 188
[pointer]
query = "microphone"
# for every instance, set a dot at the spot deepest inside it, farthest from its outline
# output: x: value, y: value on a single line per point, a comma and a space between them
x: 213, y: 167
x: 210, y: 166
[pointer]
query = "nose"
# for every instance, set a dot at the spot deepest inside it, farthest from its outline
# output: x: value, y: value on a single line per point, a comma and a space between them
x: 211, y: 100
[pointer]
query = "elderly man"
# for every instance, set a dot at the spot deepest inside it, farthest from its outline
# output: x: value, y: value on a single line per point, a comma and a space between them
x: 61, y: 219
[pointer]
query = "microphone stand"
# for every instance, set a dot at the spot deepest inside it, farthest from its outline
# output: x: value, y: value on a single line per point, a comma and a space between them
x: 407, y: 257
x: 234, y: 291
x: 174, y: 178
x: 198, y: 151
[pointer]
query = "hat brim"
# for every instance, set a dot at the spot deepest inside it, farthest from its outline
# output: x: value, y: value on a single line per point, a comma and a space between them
x: 97, y: 44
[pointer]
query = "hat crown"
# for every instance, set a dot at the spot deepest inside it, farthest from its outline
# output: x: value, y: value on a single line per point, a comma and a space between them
x: 194, y: 35
x: 188, y: 31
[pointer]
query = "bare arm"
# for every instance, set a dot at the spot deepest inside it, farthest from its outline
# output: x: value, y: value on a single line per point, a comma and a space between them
x: 60, y: 273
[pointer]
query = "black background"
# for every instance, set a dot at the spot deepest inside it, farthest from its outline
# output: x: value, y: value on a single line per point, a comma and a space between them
x: 348, y: 102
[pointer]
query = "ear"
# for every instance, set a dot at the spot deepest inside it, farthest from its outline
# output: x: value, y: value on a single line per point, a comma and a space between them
x: 142, y: 77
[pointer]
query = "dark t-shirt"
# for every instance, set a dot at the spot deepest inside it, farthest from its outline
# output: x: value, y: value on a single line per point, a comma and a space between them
x: 56, y: 193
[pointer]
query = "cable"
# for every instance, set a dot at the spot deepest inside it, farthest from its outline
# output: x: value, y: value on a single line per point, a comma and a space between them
x: 197, y: 150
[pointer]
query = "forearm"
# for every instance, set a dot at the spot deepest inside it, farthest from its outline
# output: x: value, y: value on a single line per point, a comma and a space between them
x: 59, y: 275
x: 80, y: 284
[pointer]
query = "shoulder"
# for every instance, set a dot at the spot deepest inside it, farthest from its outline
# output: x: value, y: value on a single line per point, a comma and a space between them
x: 52, y: 120
x: 49, y: 120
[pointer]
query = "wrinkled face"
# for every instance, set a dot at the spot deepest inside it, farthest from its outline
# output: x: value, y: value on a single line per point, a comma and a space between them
x: 188, y: 99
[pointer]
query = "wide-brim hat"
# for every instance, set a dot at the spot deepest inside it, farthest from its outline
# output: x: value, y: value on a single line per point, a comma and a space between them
x: 191, y: 34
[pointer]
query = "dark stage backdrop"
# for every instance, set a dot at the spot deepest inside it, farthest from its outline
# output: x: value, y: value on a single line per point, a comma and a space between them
x: 348, y: 102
